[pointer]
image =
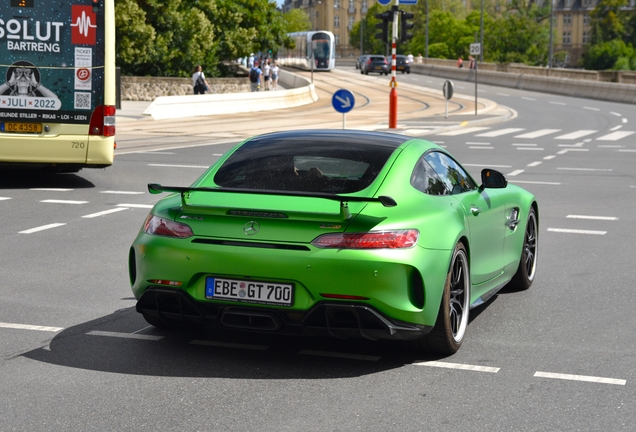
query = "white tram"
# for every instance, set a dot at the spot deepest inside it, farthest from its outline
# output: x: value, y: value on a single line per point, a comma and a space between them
x: 322, y: 43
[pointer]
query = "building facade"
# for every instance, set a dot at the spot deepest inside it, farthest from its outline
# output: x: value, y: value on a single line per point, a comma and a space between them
x: 573, y: 28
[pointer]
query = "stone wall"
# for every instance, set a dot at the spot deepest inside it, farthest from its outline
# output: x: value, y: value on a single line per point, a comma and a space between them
x: 149, y: 88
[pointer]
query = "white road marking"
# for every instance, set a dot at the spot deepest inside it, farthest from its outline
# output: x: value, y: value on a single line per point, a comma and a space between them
x: 52, y: 201
x: 549, y: 157
x: 105, y: 212
x: 616, y: 128
x: 616, y: 114
x: 515, y: 172
x: 609, y: 146
x: 576, y: 134
x: 536, y: 182
x: 624, y: 120
x: 142, y: 206
x: 615, y: 136
x: 124, y: 335
x: 458, y: 366
x: 157, y: 152
x: 178, y: 166
x: 30, y: 327
x: 340, y: 355
x: 229, y: 345
x: 584, y: 169
x: 476, y: 143
x: 503, y: 94
x: 572, y: 150
x: 463, y: 131
x: 538, y: 133
x: 557, y: 103
x: 591, y: 108
x: 51, y: 189
x: 123, y: 192
x: 528, y: 99
x: 42, y: 228
x: 500, y: 132
x: 530, y: 148
x: 626, y: 150
x: 481, y: 147
x: 534, y: 164
x: 524, y: 145
x: 607, y: 218
x: 4, y: 198
x: 574, y: 231
x: 593, y: 379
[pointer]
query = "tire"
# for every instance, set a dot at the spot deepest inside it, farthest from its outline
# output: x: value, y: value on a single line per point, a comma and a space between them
x: 361, y: 71
x: 523, y: 278
x: 366, y: 72
x: 452, y: 320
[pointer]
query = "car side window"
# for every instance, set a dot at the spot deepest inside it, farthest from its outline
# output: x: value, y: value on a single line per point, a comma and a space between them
x: 425, y: 179
x: 438, y: 174
x: 454, y: 177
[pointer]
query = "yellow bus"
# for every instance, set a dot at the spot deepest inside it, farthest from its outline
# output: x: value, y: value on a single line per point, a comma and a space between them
x: 57, y: 84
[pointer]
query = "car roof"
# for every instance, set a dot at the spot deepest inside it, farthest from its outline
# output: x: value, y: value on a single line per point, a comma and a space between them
x: 341, y: 137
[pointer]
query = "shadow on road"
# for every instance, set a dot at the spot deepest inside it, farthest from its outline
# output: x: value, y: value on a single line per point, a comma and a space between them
x: 115, y: 343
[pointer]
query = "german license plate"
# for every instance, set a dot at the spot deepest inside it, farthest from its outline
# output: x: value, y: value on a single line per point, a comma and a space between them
x: 22, y: 127
x: 249, y: 291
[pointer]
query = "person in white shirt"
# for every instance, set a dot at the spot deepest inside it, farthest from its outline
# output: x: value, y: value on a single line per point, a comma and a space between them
x: 274, y: 72
x: 267, y: 69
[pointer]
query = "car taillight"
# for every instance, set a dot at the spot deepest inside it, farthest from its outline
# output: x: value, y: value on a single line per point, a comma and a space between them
x: 155, y: 225
x: 394, y: 239
x: 103, y: 121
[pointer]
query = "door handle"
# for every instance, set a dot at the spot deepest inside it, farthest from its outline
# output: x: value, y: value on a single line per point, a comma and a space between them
x: 475, y: 210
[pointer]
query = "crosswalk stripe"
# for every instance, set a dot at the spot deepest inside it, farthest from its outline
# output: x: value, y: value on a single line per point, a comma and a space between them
x: 615, y: 136
x: 500, y: 132
x: 463, y: 131
x: 576, y: 134
x: 539, y: 133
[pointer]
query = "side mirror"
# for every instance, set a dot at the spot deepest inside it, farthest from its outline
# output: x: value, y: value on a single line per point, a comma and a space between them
x: 492, y: 179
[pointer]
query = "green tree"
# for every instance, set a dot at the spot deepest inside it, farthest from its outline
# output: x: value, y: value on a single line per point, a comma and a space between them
x: 133, y: 36
x: 518, y: 37
x: 296, y: 20
x: 614, y: 54
x: 609, y: 21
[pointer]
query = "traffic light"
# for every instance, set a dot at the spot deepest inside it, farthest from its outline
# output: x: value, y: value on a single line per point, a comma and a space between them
x: 405, y: 26
x: 386, y: 17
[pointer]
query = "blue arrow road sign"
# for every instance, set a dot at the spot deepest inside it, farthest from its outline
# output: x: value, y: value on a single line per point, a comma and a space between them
x: 408, y: 2
x: 384, y: 2
x: 343, y: 101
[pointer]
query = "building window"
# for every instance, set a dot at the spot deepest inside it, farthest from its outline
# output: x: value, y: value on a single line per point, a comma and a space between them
x: 586, y: 19
x: 568, y: 3
x: 351, y: 20
x: 336, y: 21
x: 336, y: 4
x: 352, y: 6
x: 586, y: 38
x: 365, y: 6
x: 337, y: 39
x: 567, y: 19
x: 567, y: 38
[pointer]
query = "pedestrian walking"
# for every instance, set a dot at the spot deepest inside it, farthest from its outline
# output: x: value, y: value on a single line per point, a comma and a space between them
x: 274, y: 72
x: 267, y: 69
x: 255, y: 77
x: 199, y: 83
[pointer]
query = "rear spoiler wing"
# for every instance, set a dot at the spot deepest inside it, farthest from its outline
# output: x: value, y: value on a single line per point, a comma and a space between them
x: 386, y: 201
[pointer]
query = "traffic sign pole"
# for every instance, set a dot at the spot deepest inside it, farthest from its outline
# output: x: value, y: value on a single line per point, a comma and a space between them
x: 393, y: 96
x: 343, y: 102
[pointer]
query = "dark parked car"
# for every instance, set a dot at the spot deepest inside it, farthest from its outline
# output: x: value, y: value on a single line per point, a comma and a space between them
x: 375, y: 63
x: 402, y: 64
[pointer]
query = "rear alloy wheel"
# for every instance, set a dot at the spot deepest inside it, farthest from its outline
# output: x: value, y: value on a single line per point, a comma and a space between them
x: 452, y: 319
x: 522, y: 280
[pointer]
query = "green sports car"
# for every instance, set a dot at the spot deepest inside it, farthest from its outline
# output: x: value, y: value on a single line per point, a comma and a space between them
x: 334, y: 232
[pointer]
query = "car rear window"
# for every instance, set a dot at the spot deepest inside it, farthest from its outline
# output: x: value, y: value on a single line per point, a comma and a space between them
x: 307, y: 164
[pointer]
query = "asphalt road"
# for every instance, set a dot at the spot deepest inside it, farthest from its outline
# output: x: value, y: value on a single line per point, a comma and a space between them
x: 75, y: 356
